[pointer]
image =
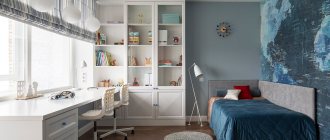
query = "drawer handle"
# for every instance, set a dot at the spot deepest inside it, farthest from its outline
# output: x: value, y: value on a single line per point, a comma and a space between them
x: 64, y: 123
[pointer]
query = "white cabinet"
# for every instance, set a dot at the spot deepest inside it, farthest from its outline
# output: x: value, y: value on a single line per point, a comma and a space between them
x: 170, y: 105
x: 153, y: 64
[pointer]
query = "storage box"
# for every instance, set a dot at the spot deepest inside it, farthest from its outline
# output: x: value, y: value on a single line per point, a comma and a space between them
x: 162, y: 37
x: 170, y: 18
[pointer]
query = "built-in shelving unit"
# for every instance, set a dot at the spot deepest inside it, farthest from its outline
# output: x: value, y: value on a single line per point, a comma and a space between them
x: 151, y: 62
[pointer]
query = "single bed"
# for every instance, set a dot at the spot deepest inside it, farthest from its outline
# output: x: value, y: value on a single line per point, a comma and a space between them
x: 283, y: 112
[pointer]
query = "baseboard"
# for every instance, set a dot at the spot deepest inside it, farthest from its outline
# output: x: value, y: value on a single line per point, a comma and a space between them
x: 85, y: 128
x: 196, y: 118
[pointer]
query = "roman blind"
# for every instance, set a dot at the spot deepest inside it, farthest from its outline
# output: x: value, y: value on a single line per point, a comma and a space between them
x: 20, y: 11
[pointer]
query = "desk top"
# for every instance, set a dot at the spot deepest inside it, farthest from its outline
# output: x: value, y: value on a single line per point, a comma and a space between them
x: 43, y: 108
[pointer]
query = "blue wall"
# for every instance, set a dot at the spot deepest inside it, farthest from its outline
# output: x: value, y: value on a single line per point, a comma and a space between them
x: 295, y: 38
x: 231, y: 58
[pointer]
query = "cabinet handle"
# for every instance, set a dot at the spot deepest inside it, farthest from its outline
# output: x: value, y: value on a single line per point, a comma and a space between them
x: 64, y: 123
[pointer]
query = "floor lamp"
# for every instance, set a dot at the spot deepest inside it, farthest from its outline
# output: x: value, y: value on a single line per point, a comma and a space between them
x: 198, y: 75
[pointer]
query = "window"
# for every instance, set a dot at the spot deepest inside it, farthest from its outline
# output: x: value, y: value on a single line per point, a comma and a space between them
x: 50, y: 59
x: 11, y: 55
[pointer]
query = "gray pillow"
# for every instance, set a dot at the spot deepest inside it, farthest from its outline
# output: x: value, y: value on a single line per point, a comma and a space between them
x: 221, y: 92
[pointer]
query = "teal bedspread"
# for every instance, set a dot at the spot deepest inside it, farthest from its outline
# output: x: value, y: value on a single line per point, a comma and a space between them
x: 259, y: 120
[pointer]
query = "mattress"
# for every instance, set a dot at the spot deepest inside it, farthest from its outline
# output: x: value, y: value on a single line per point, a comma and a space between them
x: 259, y: 120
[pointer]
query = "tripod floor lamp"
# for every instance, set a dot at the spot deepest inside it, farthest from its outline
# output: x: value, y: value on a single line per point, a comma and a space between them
x: 198, y: 75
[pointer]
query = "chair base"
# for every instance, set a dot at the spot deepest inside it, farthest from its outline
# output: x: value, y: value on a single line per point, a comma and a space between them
x: 116, y: 131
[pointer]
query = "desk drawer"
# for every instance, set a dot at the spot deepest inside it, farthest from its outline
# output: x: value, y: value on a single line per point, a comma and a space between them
x: 60, y: 124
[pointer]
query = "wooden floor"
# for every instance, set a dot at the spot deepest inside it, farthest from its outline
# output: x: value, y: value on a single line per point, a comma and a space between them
x: 152, y: 132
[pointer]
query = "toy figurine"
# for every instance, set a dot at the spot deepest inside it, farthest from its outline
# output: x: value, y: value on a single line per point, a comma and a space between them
x: 179, y: 83
x: 134, y: 61
x: 147, y: 61
x: 113, y: 62
x: 135, y: 83
x: 176, y: 40
x: 173, y: 83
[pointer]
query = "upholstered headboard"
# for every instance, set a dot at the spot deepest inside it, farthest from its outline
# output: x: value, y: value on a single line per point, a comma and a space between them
x: 297, y: 98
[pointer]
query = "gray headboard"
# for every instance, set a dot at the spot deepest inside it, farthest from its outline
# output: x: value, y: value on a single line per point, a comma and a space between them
x: 297, y: 98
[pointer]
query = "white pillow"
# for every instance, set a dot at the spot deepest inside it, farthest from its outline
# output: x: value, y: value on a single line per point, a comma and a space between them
x: 232, y: 94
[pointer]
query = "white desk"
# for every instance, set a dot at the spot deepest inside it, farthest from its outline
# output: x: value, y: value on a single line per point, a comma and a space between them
x: 42, y: 118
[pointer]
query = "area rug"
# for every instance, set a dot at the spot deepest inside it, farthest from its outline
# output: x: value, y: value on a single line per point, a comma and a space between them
x: 188, y: 135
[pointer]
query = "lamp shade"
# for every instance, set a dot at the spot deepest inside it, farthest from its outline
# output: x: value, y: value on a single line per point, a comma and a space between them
x: 92, y: 23
x: 198, y: 73
x: 42, y: 5
x: 71, y: 14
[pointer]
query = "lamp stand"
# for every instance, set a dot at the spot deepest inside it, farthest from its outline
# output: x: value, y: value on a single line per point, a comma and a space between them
x: 195, y: 103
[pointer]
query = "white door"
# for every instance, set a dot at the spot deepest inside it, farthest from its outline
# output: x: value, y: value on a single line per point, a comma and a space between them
x: 141, y: 105
x: 170, y: 105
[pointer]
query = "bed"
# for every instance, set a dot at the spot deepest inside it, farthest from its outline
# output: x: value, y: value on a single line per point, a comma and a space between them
x: 281, y: 112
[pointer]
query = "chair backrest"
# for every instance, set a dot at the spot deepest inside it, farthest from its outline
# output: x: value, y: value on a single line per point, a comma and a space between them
x: 108, y: 100
x: 124, y: 95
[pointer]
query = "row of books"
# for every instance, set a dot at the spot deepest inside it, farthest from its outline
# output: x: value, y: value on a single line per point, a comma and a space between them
x: 103, y: 58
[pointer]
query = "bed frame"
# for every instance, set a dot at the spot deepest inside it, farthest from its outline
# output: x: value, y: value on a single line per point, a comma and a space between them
x: 296, y: 98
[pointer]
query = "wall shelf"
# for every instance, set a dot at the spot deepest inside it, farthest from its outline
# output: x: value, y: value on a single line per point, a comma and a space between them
x: 109, y: 46
x: 137, y: 24
x: 110, y: 67
x: 112, y: 24
x: 162, y: 24
x: 170, y: 45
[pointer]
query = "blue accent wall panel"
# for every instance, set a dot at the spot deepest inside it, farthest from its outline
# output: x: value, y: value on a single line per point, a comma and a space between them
x: 295, y: 49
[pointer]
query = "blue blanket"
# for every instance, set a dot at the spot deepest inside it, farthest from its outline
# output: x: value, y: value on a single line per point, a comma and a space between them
x: 259, y: 120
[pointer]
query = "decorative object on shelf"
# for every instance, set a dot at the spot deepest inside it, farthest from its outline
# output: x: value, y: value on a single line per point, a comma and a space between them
x: 223, y: 29
x: 71, y: 13
x: 148, y: 79
x: 22, y: 94
x: 20, y: 89
x: 135, y: 82
x: 121, y: 42
x: 42, y: 5
x: 140, y: 18
x: 150, y: 37
x: 180, y: 61
x: 173, y: 83
x: 198, y: 75
x: 104, y: 83
x: 113, y: 62
x: 162, y: 37
x: 170, y: 18
x: 179, y: 83
x: 120, y: 83
x: 35, y: 88
x: 165, y: 63
x: 133, y: 61
x: 147, y: 61
x: 134, y: 38
x: 176, y: 40
x: 103, y: 39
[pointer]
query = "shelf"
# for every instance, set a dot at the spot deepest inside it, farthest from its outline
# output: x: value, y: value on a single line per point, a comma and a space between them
x: 109, y: 66
x: 139, y: 66
x: 170, y: 66
x: 139, y: 45
x: 139, y: 24
x: 109, y: 45
x: 169, y: 45
x: 161, y: 24
x: 112, y: 24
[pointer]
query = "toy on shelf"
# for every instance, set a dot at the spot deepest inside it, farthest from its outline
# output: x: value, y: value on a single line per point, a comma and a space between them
x: 135, y: 82
x: 165, y: 62
x: 140, y: 18
x: 100, y: 38
x: 180, y: 62
x: 133, y: 61
x: 173, y: 83
x: 30, y: 93
x: 176, y: 40
x: 121, y: 42
x: 113, y: 62
x: 147, y: 61
x: 104, y: 83
x: 179, y: 83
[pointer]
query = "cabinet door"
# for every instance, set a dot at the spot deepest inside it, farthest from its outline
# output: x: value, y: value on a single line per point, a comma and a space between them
x: 140, y: 105
x: 171, y: 105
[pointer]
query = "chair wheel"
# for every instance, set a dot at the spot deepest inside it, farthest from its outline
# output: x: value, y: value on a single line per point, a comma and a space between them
x: 125, y: 137
x: 132, y: 132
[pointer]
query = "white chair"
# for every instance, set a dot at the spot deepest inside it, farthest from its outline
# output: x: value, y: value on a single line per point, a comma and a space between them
x: 108, y: 105
x: 124, y: 101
